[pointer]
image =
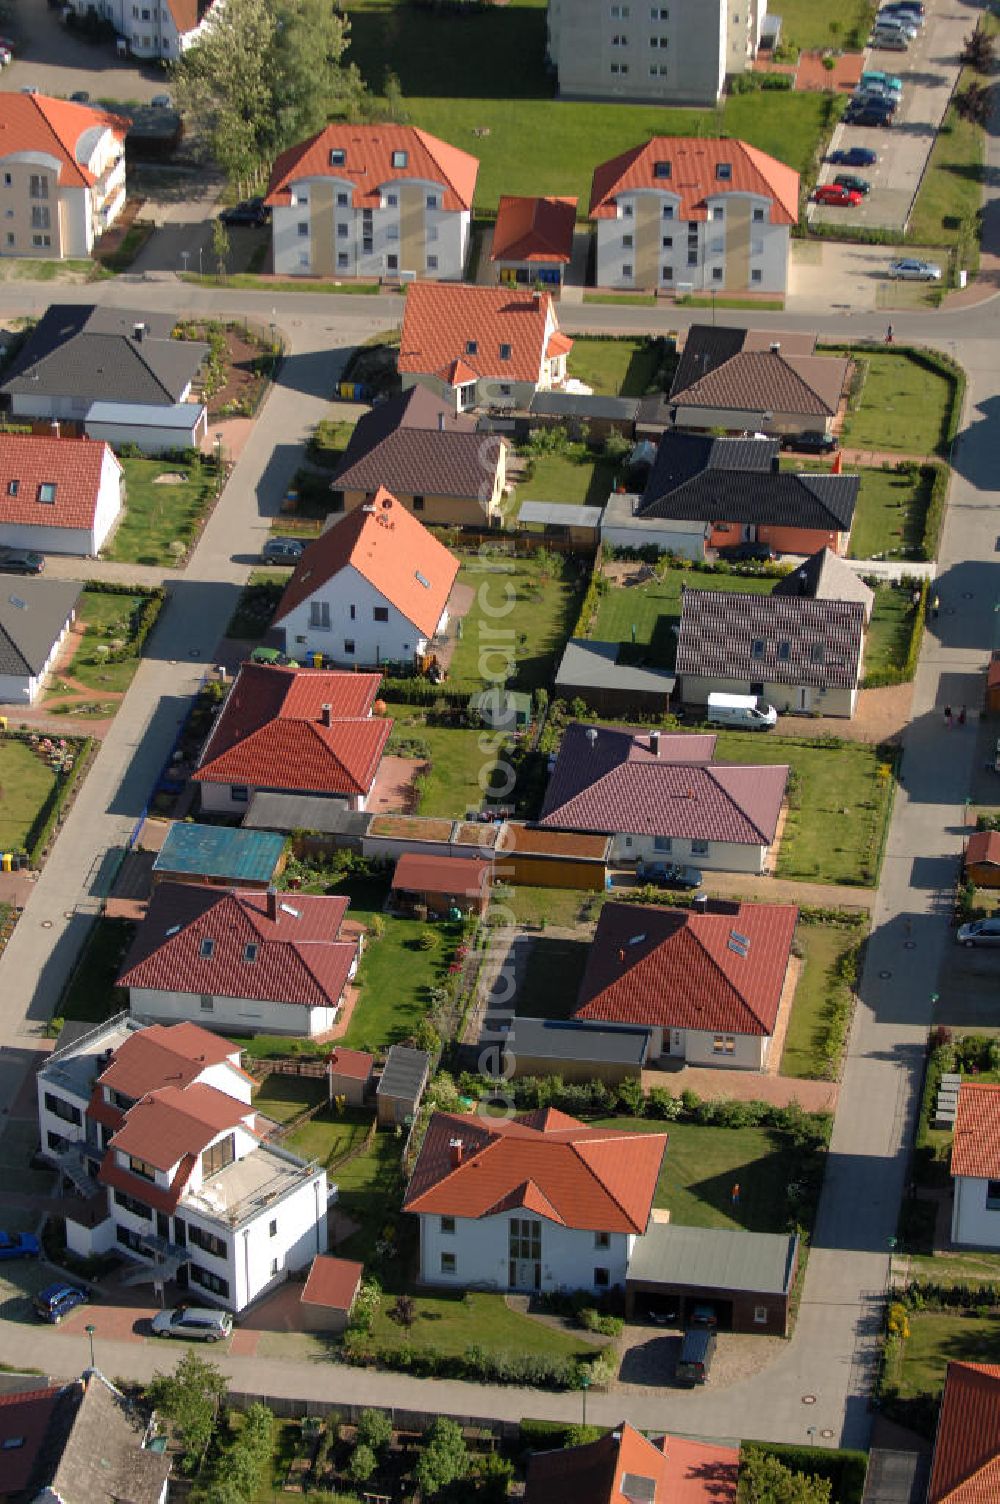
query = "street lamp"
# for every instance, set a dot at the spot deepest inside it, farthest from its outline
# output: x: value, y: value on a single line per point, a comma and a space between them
x: 90, y: 1329
x: 200, y: 249
x: 185, y: 257
x: 584, y: 1386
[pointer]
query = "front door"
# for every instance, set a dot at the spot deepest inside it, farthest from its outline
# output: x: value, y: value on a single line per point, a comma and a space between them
x: 749, y: 533
x: 676, y: 1042
x: 805, y: 698
x: 525, y: 1254
x: 163, y: 1225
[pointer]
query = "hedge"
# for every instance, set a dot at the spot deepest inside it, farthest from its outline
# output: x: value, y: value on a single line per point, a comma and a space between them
x: 934, y: 519
x: 45, y: 821
x: 904, y: 672
x: 475, y: 1365
x: 143, y: 618
x: 845, y: 1469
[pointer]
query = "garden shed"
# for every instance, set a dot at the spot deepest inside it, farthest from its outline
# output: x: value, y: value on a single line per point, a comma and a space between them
x: 552, y: 858
x: 219, y: 856
x: 401, y: 1086
x: 440, y: 884
x: 982, y: 859
x: 329, y: 1293
x: 349, y: 1075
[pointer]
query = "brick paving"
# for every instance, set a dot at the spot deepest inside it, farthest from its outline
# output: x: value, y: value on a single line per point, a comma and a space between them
x: 392, y: 792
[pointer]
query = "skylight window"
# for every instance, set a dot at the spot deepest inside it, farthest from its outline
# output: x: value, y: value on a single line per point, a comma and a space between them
x: 250, y: 952
x: 423, y: 580
x: 738, y: 944
x: 174, y: 929
x: 400, y: 158
x: 784, y: 651
x: 637, y: 939
x: 471, y: 347
x: 286, y: 908
x: 661, y: 169
x: 47, y: 492
x: 724, y: 171
x: 757, y: 648
x: 207, y: 949
x: 12, y: 487
x: 505, y: 352
x: 338, y: 156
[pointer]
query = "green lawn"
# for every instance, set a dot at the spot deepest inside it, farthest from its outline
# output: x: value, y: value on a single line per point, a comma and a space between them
x: 823, y: 945
x: 396, y: 979
x: 106, y: 618
x: 888, y: 640
x: 458, y: 763
x: 157, y: 515
x: 904, y: 406
x: 91, y: 994
x: 577, y: 476
x: 543, y: 599
x: 25, y: 784
x: 937, y: 1337
x: 616, y: 367
x: 328, y: 1137
x: 451, y: 1323
x: 257, y: 603
x: 555, y: 906
x: 891, y: 513
x: 369, y: 1190
x: 952, y: 1268
x: 283, y: 1097
x: 645, y: 615
x: 841, y: 24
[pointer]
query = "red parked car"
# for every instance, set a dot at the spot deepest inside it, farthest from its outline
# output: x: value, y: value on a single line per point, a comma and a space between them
x: 836, y: 193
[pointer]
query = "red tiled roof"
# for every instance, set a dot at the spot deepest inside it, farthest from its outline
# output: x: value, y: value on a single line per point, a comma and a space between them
x: 975, y: 1147
x: 441, y: 320
x: 677, y: 969
x: 72, y: 465
x: 38, y: 123
x: 559, y: 344
x: 615, y: 782
x: 693, y: 176
x: 595, y: 1178
x: 185, y: 14
x: 159, y: 1055
x: 368, y: 151
x: 416, y: 873
x: 534, y: 229
x: 332, y: 1282
x: 966, y: 1465
x: 297, y: 956
x: 600, y: 1472
x: 271, y: 734
x: 389, y: 548
x: 356, y: 1064
x: 102, y: 1112
x: 25, y: 1421
x: 983, y: 846
x: 168, y: 1124
x: 160, y: 1198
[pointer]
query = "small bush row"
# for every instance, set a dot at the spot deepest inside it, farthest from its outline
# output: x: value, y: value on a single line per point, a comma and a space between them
x: 475, y: 1365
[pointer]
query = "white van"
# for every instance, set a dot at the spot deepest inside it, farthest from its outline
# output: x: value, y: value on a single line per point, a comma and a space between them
x: 747, y: 711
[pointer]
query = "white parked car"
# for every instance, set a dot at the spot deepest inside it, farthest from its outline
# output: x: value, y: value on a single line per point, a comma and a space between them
x: 910, y: 269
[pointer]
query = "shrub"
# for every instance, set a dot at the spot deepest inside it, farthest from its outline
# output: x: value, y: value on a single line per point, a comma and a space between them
x: 362, y: 1463
x: 374, y: 1429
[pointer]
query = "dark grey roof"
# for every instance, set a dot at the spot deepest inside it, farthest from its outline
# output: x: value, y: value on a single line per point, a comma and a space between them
x: 580, y: 405
x: 405, y: 1073
x: 560, y: 514
x: 93, y: 353
x: 551, y: 1039
x: 696, y: 478
x: 727, y: 635
x: 825, y: 576
x: 97, y: 1456
x: 594, y: 665
x: 753, y: 371
x: 714, y: 1258
x: 285, y: 812
x: 32, y: 615
x: 415, y: 444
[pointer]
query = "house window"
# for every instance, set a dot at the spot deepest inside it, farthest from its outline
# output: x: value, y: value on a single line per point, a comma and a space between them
x: 207, y: 1003
x: 56, y: 1142
x: 432, y: 200
x: 391, y: 262
x: 668, y: 274
x: 628, y: 840
x: 391, y: 201
x: 129, y: 1204
x: 668, y: 242
x: 602, y: 1278
x: 716, y: 273
x: 628, y: 211
x: 392, y: 233
x: 274, y: 1267
x: 319, y: 615
x: 47, y: 492
x: 432, y: 234
x: 349, y: 646
x: 352, y: 612
x: 338, y: 156
x: 784, y: 651
x: 658, y: 41
x: 10, y: 240
x: 471, y: 347
x: 758, y: 216
x: 206, y: 949
x: 757, y: 648
x: 718, y: 212
x: 619, y: 41
x: 524, y: 1251
x: 619, y: 67
x: 662, y: 843
x: 418, y: 503
x: 692, y: 257
x: 619, y: 12
x: 64, y: 1110
x: 400, y: 158
x: 343, y: 231
x: 724, y: 171
x: 272, y: 1228
x: 239, y: 793
x: 141, y: 1167
x: 449, y: 1263
x: 699, y: 848
x: 40, y: 217
x: 251, y: 951
x: 128, y: 1238
x: 657, y: 70
x: 661, y: 170
x: 626, y: 269
x: 38, y: 186
x: 343, y: 260
x: 993, y: 1195
x: 12, y: 486
x: 208, y: 1280
x: 602, y: 1240
x: 303, y: 228
x: 432, y: 263
x: 659, y: 13
x: 757, y: 275
x: 505, y: 352
x: 627, y: 242
x: 7, y: 180
x: 343, y: 200
x: 760, y: 1315
x: 41, y: 240
x: 723, y: 1044
x: 217, y: 1156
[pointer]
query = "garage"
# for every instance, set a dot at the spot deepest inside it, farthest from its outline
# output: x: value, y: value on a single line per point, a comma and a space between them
x: 745, y: 1277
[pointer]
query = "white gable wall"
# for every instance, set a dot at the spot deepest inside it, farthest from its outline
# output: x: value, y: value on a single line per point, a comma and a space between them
x: 974, y: 1221
x: 481, y: 1248
x: 353, y: 636
x: 242, y: 1015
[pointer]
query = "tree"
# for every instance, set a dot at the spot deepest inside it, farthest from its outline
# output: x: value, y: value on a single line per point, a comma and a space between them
x: 404, y: 1311
x: 973, y: 103
x: 374, y: 1429
x: 395, y: 106
x: 362, y: 1463
x: 979, y: 51
x: 764, y: 1479
x: 494, y: 1474
x: 190, y: 1399
x: 445, y: 1457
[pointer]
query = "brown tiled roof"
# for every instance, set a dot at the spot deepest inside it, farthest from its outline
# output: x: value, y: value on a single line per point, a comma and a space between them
x: 28, y: 1415
x: 615, y: 783
x: 534, y: 229
x: 271, y: 733
x: 170, y: 1123
x: 416, y: 873
x: 415, y: 444
x: 332, y: 1282
x: 164, y: 1055
x: 783, y: 639
x: 441, y: 320
x: 677, y: 969
x: 368, y: 164
x: 357, y: 1064
x: 966, y: 1465
x: 975, y: 1148
x: 694, y: 178
x: 757, y: 371
x: 983, y: 846
x: 546, y: 1162
x: 529, y: 840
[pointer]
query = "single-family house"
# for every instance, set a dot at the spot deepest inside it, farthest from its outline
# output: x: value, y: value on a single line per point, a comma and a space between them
x: 372, y: 201
x: 430, y: 458
x: 293, y: 731
x: 35, y: 618
x: 689, y: 212
x: 440, y: 885
x: 84, y: 1442
x: 162, y: 31
x: 800, y: 653
x: 239, y: 959
x: 965, y: 1468
x: 482, y: 346
x: 113, y: 372
x: 975, y: 1166
x: 708, y: 983
x: 982, y: 859
x: 156, y: 1129
x: 534, y: 1202
x: 58, y: 495
x: 219, y: 856
x: 401, y: 1085
x: 825, y: 576
x: 533, y: 239
x: 63, y: 170
x: 372, y: 589
x: 329, y: 1293
x: 623, y: 1467
x: 749, y: 379
x: 706, y: 493
x: 662, y: 796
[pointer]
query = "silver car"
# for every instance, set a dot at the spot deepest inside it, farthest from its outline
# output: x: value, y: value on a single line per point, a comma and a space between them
x: 910, y: 269
x: 202, y: 1323
x: 979, y: 932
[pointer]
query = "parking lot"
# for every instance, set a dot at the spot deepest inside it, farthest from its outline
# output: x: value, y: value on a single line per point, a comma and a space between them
x: 929, y: 71
x: 838, y: 274
x: 60, y: 62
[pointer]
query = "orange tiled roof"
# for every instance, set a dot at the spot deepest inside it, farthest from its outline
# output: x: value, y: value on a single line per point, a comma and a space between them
x: 170, y: 1123
x: 693, y: 167
x: 534, y: 229
x: 73, y: 466
x: 419, y: 873
x: 357, y: 1064
x: 975, y: 1148
x: 966, y: 1465
x: 368, y: 164
x: 36, y: 122
x: 332, y: 1282
x: 446, y: 323
x: 163, y: 1055
x: 389, y: 548
x: 609, y: 1470
x: 983, y: 846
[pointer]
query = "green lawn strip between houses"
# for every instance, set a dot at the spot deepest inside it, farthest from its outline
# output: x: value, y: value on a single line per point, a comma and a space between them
x: 817, y: 994
x: 812, y: 27
x: 91, y: 994
x: 643, y: 617
x: 936, y: 1339
x: 460, y: 769
x: 159, y: 514
x: 578, y: 477
x: 521, y: 615
x: 26, y: 782
x: 891, y: 513
x: 619, y: 367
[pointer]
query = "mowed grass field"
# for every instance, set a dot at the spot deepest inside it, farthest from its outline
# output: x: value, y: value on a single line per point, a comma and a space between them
x: 839, y: 23
x: 25, y: 784
x: 643, y: 617
x: 904, y: 407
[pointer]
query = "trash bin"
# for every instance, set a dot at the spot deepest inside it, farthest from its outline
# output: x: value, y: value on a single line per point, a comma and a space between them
x: 7, y: 862
x: 317, y: 660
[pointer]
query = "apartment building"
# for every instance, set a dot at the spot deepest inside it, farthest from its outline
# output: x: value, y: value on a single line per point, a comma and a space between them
x: 63, y: 175
x: 679, y: 53
x: 372, y: 201
x: 151, y: 28
x: 155, y: 1129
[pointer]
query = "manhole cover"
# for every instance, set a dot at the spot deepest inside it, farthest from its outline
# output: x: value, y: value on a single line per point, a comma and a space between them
x: 827, y: 1431
x: 909, y: 945
x: 808, y: 1399
x: 885, y: 975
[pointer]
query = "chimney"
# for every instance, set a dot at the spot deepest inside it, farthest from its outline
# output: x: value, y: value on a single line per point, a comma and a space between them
x: 455, y: 1152
x: 775, y: 347
x: 775, y: 464
x: 699, y: 903
x: 440, y: 422
x: 138, y: 332
x: 326, y: 715
x: 591, y: 735
x: 272, y: 905
x: 654, y: 743
x: 837, y: 468
x: 55, y: 428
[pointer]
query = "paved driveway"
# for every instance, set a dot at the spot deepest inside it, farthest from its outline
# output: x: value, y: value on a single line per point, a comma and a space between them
x: 58, y: 61
x: 851, y: 278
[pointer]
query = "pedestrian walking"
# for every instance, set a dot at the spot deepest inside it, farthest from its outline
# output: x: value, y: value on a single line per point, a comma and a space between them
x: 935, y: 606
x: 947, y: 716
x: 889, y: 335
x: 734, y: 1194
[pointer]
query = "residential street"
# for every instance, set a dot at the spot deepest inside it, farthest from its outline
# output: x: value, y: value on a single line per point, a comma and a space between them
x: 820, y: 1380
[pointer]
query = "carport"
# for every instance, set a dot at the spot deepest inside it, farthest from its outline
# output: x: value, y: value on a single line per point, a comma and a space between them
x: 746, y: 1276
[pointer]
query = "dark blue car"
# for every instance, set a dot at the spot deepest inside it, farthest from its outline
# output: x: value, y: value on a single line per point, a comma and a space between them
x: 56, y: 1301
x: 18, y: 1245
x: 855, y: 156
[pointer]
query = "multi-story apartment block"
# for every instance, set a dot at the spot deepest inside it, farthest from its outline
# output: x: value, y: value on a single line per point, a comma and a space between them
x: 151, y: 28
x: 372, y: 201
x: 63, y: 175
x: 157, y: 1124
x: 680, y: 52
x: 688, y: 213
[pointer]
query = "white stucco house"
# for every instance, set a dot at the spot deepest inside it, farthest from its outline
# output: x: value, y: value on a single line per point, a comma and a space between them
x: 152, y: 28
x: 240, y: 959
x: 58, y: 495
x: 154, y: 1127
x: 662, y: 797
x: 975, y: 1166
x: 708, y: 984
x: 536, y: 1202
x: 373, y: 589
x: 36, y: 617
